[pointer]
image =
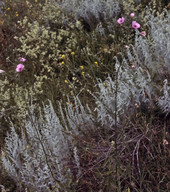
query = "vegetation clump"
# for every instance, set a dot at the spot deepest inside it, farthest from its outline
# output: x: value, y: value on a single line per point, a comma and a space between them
x: 84, y: 95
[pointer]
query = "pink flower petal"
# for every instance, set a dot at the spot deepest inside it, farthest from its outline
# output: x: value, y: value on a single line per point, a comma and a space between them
x: 22, y: 59
x: 135, y: 25
x: 165, y: 142
x: 121, y: 20
x: 19, y: 67
x: 2, y: 71
x: 143, y: 33
x: 127, y: 47
x: 132, y: 15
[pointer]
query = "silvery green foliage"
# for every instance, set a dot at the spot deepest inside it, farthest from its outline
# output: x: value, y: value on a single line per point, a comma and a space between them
x: 137, y: 1
x: 38, y: 157
x: 155, y: 52
x: 13, y: 163
x: 164, y: 101
x: 28, y: 163
x: 2, y: 187
x: 2, y: 12
x: 137, y: 85
x: 160, y: 34
x: 130, y: 87
x: 76, y: 157
x: 76, y: 116
x: 91, y: 10
x: 27, y: 158
x: 154, y: 55
x: 100, y: 29
x: 149, y: 57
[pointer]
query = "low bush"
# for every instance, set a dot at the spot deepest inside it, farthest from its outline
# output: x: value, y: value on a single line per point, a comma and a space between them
x: 84, y: 96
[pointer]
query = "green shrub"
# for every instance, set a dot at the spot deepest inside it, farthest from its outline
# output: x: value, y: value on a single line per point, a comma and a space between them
x: 119, y: 142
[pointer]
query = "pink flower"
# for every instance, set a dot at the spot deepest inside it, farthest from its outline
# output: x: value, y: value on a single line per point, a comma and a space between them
x: 22, y: 59
x: 133, y: 66
x: 2, y: 71
x: 143, y: 33
x: 132, y: 15
x: 165, y: 142
x: 19, y: 67
x: 135, y: 25
x: 121, y: 20
x: 127, y: 47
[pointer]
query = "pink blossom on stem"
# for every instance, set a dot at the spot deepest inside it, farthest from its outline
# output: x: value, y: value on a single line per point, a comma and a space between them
x: 2, y: 71
x: 22, y: 59
x: 143, y: 33
x: 132, y: 15
x: 19, y: 67
x: 135, y: 25
x: 165, y: 142
x: 133, y: 66
x: 127, y: 47
x: 121, y: 20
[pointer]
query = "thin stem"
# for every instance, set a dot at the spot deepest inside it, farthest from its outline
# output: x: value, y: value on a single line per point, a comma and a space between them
x: 45, y: 154
x: 116, y: 132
